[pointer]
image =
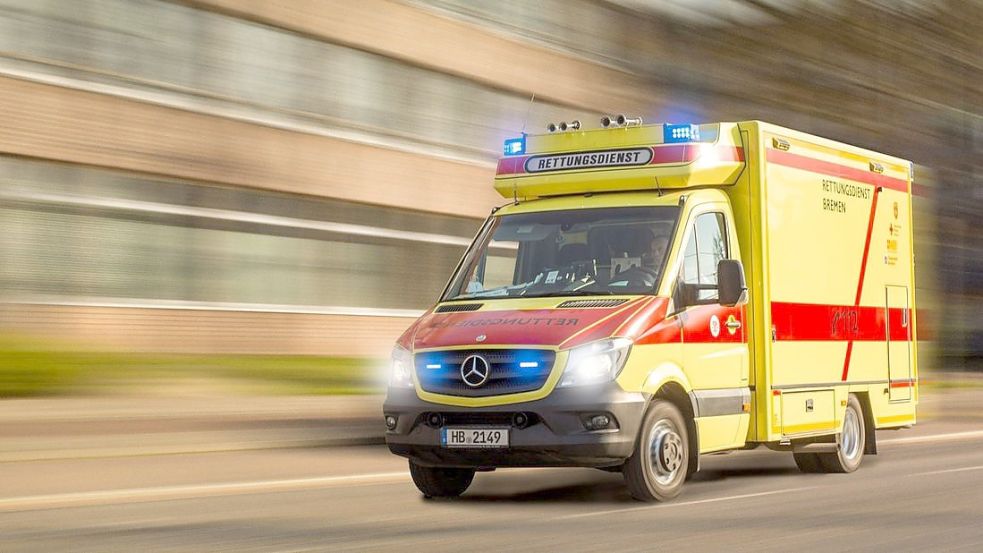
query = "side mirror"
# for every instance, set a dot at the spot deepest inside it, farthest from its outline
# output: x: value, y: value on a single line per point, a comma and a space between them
x: 732, y: 289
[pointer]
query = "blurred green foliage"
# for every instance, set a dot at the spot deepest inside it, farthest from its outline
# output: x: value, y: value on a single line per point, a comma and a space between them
x: 33, y: 368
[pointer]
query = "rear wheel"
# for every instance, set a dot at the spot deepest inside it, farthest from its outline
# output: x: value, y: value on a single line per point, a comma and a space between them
x: 440, y: 481
x: 849, y: 443
x: 657, y: 469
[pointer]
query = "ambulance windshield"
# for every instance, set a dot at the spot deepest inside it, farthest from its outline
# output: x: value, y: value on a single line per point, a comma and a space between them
x: 616, y: 250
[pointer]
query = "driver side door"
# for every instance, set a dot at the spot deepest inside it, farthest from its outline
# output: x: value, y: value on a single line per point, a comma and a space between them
x: 715, y: 349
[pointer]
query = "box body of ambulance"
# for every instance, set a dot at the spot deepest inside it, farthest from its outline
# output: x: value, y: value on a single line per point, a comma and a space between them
x: 654, y: 293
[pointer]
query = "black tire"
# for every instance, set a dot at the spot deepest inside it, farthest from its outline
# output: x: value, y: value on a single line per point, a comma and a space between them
x: 439, y: 481
x: 659, y: 475
x: 808, y: 462
x: 850, y: 442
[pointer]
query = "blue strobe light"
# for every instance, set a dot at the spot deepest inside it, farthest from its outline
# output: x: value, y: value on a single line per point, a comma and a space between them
x: 680, y: 133
x: 515, y: 146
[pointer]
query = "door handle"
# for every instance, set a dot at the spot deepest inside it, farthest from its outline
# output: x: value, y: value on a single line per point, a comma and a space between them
x: 733, y: 325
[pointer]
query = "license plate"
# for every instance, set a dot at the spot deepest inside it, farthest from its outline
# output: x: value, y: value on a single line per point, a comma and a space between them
x: 474, y: 437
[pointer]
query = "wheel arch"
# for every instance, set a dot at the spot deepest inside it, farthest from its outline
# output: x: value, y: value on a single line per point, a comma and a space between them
x: 674, y: 392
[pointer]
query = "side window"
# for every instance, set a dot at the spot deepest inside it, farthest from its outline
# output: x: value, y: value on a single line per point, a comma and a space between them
x: 707, y: 245
x: 690, y: 270
x: 711, y: 245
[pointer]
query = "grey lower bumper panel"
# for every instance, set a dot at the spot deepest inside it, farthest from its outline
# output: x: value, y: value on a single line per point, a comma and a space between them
x: 555, y: 436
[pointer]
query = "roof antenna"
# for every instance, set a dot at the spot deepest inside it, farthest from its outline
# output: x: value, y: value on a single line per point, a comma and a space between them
x: 525, y: 119
x: 528, y: 109
x: 658, y: 187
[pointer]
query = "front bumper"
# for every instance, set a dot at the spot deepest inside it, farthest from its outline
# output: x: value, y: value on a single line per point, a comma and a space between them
x: 556, y: 435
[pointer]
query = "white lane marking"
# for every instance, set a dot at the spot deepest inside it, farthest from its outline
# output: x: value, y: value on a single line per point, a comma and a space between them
x: 233, y: 488
x: 193, y: 491
x: 946, y: 471
x: 685, y: 503
x: 952, y: 436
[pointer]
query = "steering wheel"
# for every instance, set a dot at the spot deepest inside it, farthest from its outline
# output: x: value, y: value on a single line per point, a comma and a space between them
x: 637, y: 277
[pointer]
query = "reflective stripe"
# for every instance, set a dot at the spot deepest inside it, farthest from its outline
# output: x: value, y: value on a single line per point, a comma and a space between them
x: 721, y: 401
x: 841, y: 383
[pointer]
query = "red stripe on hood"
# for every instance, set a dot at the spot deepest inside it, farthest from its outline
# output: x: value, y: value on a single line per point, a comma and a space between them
x: 531, y: 327
x: 649, y: 325
x: 608, y: 327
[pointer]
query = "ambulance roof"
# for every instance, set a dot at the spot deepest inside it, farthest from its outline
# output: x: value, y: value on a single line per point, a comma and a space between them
x: 644, y: 157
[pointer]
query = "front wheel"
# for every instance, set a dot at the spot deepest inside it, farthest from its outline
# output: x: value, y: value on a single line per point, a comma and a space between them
x: 439, y: 481
x: 657, y: 469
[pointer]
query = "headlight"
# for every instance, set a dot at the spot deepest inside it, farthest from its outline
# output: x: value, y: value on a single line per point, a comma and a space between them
x: 402, y: 369
x: 596, y: 362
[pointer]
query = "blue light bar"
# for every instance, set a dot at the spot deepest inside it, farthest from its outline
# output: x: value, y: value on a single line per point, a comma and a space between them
x: 528, y: 364
x: 515, y: 146
x: 680, y: 133
x: 433, y: 365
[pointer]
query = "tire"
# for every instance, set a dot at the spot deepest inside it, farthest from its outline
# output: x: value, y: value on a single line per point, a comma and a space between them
x: 657, y: 469
x: 808, y: 462
x: 849, y: 442
x: 439, y: 481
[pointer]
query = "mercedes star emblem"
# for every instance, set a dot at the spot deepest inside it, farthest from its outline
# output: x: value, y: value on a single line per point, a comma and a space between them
x: 475, y: 371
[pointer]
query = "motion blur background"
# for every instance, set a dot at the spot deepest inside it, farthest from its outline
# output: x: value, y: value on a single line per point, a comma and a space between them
x: 260, y: 196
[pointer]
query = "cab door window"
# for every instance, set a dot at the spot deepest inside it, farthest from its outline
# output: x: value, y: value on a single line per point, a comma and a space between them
x: 706, y: 246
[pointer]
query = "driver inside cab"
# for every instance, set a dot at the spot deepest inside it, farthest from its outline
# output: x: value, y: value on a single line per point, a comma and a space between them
x: 655, y: 250
x: 650, y: 251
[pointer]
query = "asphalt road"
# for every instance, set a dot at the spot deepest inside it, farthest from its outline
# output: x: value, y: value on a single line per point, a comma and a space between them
x: 923, y: 492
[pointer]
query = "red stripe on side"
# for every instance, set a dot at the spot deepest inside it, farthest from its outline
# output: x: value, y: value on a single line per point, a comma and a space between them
x: 903, y: 384
x: 818, y: 323
x: 835, y: 170
x: 697, y: 327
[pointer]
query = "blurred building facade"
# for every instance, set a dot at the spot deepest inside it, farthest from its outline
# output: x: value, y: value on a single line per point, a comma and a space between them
x: 301, y: 177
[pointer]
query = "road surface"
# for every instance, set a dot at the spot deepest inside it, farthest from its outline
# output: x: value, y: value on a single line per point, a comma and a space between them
x: 923, y: 492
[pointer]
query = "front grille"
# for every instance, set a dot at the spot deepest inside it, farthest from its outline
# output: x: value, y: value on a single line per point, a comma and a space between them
x: 587, y: 304
x: 480, y: 418
x: 510, y: 371
x: 456, y: 307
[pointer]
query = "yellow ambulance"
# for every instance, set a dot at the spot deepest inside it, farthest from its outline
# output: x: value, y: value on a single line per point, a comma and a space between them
x: 653, y: 293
